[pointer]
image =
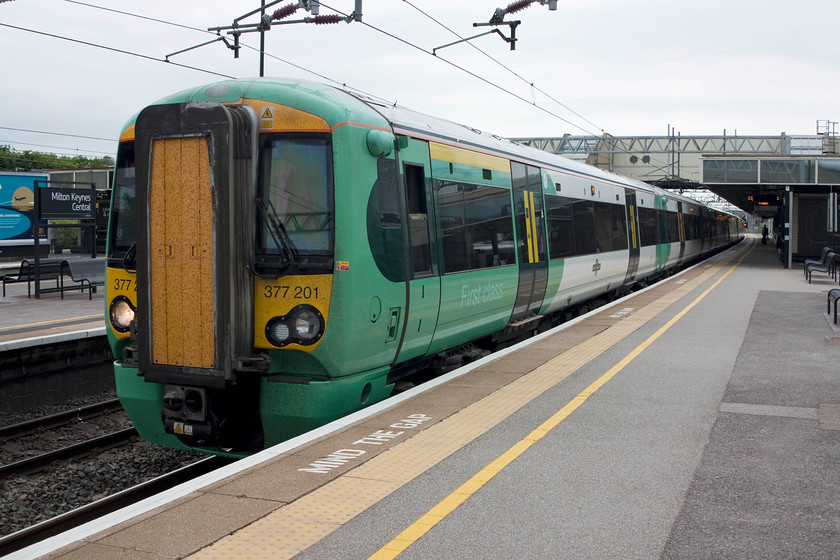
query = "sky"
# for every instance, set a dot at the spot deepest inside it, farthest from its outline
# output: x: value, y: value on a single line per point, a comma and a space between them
x: 622, y: 67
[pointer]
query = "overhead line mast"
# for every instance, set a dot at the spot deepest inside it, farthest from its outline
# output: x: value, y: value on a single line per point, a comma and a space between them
x: 236, y: 29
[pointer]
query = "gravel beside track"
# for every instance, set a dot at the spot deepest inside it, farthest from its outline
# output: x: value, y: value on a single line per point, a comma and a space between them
x: 26, y: 500
x: 9, y: 418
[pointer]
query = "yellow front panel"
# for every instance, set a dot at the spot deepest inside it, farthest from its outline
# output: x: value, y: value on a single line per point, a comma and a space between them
x: 278, y: 118
x: 120, y: 282
x: 181, y: 253
x: 276, y: 297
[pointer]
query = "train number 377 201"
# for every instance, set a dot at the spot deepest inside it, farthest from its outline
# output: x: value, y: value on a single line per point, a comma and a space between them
x: 293, y: 292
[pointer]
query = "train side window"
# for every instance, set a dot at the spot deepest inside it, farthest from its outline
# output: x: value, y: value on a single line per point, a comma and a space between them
x: 603, y: 227
x: 672, y: 226
x: 453, y: 231
x: 476, y: 226
x: 584, y: 216
x: 561, y: 237
x: 610, y: 227
x: 619, y: 223
x: 648, y: 226
x: 418, y: 219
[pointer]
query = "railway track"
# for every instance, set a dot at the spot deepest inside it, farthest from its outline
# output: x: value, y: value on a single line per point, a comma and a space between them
x: 57, y: 420
x: 40, y: 426
x: 45, y: 460
x: 74, y: 518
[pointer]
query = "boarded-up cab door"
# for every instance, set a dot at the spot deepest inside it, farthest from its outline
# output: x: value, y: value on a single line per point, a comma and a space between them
x: 195, y: 241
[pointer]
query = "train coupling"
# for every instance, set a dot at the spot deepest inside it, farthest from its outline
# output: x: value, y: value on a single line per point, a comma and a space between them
x: 185, y: 412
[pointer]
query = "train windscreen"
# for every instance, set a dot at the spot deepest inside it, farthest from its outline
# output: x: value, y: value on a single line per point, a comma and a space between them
x: 122, y: 232
x: 296, y: 196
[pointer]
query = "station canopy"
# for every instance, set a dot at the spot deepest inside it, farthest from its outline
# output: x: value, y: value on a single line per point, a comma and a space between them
x: 757, y: 184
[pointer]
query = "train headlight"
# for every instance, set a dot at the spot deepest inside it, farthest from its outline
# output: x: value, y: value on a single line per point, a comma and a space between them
x: 303, y: 325
x: 278, y: 333
x: 307, y: 325
x: 121, y: 313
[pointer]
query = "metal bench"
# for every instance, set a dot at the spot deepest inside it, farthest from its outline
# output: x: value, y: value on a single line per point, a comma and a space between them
x: 826, y: 266
x: 821, y: 260
x: 50, y: 269
x: 833, y: 296
x: 87, y: 273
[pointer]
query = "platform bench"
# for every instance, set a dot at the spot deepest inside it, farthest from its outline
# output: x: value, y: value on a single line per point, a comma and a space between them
x: 833, y: 296
x: 86, y: 273
x: 827, y: 265
x: 51, y: 269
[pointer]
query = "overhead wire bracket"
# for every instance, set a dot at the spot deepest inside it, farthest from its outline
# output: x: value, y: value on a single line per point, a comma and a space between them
x: 498, y: 18
x: 512, y: 46
x: 236, y: 29
x: 217, y: 39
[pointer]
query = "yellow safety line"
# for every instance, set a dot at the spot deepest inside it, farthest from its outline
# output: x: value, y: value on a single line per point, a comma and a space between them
x: 449, y: 504
x: 99, y: 315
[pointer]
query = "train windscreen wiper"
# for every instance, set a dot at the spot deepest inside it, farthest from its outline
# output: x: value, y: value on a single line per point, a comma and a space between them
x: 288, y: 253
x: 130, y: 258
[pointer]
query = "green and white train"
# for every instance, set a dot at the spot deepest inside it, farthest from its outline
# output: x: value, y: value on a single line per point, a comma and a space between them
x: 282, y: 252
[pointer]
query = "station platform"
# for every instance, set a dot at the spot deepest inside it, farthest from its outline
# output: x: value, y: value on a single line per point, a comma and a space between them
x: 698, y: 418
x: 27, y: 321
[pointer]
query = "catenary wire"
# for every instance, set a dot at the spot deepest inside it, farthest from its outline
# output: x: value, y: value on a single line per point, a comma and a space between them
x: 658, y: 160
x: 530, y: 83
x: 113, y: 49
x: 242, y: 43
x: 9, y: 142
x: 56, y: 134
x: 462, y: 69
x: 486, y: 81
x: 412, y: 45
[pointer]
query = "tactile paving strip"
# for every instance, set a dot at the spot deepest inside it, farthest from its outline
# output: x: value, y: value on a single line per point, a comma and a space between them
x: 293, y: 528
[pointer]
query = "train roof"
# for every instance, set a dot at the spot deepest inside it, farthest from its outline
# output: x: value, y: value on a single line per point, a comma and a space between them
x: 340, y: 105
x: 408, y: 121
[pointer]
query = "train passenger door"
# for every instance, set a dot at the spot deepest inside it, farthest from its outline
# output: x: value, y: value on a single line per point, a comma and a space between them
x: 633, y: 233
x: 530, y: 231
x: 423, y: 281
x: 681, y: 226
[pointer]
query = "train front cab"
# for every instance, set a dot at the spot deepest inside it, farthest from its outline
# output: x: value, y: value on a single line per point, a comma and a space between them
x: 217, y: 309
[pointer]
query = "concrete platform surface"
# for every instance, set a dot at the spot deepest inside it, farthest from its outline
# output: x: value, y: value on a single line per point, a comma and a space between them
x: 697, y: 419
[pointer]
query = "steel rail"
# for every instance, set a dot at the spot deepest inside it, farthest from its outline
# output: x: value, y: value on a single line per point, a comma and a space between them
x: 66, y: 521
x: 20, y: 429
x: 43, y: 461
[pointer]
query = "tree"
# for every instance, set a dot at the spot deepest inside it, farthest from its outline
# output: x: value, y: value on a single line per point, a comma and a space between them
x: 15, y: 160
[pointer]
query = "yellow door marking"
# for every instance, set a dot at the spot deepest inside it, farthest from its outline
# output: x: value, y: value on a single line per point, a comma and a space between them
x: 423, y: 525
x: 294, y: 527
x: 528, y: 199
